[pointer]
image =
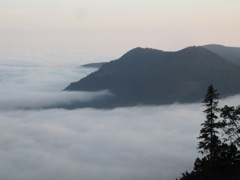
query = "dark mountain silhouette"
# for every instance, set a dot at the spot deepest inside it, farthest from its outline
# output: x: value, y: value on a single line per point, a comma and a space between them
x: 152, y: 77
x: 229, y: 53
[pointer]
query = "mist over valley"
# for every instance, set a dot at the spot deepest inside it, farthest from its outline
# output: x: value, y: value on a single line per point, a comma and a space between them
x: 39, y: 140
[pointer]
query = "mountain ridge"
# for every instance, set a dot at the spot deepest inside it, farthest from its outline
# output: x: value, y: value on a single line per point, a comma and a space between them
x: 229, y: 53
x: 152, y: 77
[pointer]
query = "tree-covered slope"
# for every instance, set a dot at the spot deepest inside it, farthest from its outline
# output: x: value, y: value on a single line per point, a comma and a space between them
x: 149, y: 76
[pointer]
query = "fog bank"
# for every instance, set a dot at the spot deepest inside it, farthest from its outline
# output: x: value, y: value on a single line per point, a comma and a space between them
x: 124, y: 143
x: 145, y: 142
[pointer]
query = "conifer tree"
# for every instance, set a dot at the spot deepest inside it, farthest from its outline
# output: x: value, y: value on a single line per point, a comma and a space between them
x: 222, y: 155
x: 208, y: 134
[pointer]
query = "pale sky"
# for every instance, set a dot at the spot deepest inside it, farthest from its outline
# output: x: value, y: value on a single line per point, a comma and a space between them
x: 118, y: 25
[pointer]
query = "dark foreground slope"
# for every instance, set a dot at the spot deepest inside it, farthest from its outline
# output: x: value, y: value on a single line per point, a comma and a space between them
x: 149, y: 76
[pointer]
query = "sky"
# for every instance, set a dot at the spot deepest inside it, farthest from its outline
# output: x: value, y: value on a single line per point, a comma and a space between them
x: 113, y: 27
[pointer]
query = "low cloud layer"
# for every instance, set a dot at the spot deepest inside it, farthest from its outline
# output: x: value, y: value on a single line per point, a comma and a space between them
x: 138, y: 143
x: 125, y: 143
x: 27, y: 87
x: 41, y: 100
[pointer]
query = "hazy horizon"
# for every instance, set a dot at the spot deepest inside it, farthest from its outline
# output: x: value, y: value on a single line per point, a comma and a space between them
x: 113, y: 27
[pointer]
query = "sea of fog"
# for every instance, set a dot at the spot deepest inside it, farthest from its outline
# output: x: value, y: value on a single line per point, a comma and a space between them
x: 137, y: 143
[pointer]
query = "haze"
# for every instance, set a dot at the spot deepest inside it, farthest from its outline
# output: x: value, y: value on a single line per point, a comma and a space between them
x: 113, y: 26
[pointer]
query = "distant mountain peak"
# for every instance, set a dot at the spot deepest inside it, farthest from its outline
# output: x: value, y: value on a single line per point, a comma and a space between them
x: 139, y: 52
x: 229, y: 53
x: 219, y: 46
x: 194, y: 49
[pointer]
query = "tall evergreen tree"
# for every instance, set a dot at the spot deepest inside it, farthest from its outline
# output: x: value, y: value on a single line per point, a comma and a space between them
x: 222, y: 155
x: 208, y: 134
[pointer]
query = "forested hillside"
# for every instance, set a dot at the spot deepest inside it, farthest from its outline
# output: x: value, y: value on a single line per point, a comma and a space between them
x: 150, y: 76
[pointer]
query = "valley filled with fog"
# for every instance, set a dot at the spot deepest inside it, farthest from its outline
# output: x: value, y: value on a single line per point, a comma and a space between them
x: 143, y: 142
